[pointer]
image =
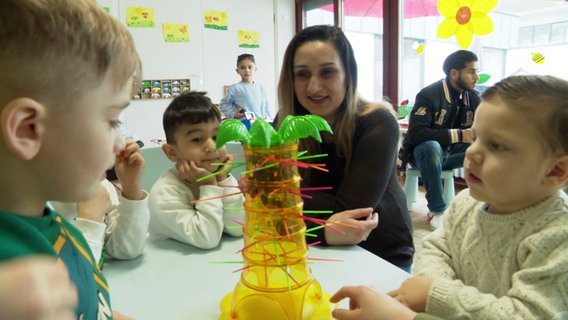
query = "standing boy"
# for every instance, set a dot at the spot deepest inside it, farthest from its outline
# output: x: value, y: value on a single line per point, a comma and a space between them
x: 66, y: 74
x: 247, y: 95
x: 438, y: 130
x: 189, y: 203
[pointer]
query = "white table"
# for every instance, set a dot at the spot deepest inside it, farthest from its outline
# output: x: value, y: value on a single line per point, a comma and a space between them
x: 172, y: 280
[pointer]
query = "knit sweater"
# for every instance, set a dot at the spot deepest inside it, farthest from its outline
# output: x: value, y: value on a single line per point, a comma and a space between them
x: 491, y: 266
x: 172, y: 215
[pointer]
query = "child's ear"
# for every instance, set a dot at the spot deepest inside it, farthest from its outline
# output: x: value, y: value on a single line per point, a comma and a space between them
x: 558, y: 174
x: 170, y: 152
x: 23, y: 127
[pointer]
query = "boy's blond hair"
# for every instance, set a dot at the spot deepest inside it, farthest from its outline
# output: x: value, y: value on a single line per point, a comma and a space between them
x: 543, y: 99
x: 76, y: 41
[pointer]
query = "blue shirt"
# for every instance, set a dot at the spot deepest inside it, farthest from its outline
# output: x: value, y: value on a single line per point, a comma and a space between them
x: 249, y: 96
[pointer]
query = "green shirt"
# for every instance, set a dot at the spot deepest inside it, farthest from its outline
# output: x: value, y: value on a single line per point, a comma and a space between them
x: 52, y: 235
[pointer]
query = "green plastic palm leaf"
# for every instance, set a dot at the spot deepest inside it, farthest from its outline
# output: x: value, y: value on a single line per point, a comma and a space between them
x: 231, y: 130
x: 262, y: 134
x: 294, y: 128
x: 319, y: 122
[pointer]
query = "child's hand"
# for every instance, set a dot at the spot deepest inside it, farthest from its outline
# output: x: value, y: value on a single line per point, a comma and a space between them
x: 368, y: 304
x: 129, y: 166
x: 414, y: 292
x: 36, y: 288
x: 240, y: 114
x: 226, y: 168
x: 96, y: 208
x: 190, y: 172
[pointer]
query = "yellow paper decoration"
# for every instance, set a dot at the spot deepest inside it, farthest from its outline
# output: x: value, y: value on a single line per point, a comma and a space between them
x: 537, y: 58
x: 249, y: 39
x: 137, y: 17
x: 464, y: 18
x: 174, y: 32
x: 215, y: 20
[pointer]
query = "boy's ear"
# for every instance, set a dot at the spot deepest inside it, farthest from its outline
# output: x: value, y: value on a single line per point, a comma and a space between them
x: 170, y: 152
x: 23, y: 126
x: 558, y: 174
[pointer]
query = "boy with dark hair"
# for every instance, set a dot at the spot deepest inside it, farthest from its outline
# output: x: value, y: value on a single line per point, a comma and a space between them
x: 188, y: 202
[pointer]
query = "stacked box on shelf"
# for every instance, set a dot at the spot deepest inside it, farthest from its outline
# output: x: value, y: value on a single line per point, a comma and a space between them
x: 162, y: 89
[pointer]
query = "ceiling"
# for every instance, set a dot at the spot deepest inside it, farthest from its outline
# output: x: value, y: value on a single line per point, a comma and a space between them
x: 520, y: 7
x: 419, y: 8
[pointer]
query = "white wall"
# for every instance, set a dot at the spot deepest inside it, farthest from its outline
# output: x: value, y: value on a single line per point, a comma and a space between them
x: 209, y: 59
x: 519, y: 61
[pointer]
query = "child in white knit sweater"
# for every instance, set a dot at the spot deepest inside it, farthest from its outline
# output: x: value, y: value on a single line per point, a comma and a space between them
x: 502, y: 252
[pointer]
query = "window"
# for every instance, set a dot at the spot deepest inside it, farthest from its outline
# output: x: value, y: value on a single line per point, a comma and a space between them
x: 523, y: 30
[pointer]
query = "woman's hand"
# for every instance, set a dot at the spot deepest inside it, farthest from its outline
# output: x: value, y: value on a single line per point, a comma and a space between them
x: 361, y: 222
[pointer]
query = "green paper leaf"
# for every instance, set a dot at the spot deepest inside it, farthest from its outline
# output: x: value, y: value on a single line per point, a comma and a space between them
x: 483, y: 77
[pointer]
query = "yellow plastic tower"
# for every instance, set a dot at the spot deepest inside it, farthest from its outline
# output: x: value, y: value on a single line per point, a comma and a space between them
x: 276, y: 282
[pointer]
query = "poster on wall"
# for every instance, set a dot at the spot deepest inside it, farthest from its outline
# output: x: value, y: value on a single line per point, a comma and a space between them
x: 215, y: 20
x: 137, y: 17
x: 176, y: 32
x: 249, y: 39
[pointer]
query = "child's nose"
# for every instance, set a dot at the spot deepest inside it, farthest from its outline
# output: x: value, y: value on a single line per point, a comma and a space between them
x: 119, y: 142
x: 472, y: 153
x: 210, y: 146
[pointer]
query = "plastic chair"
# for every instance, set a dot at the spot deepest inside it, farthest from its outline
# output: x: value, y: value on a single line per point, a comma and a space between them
x: 411, y: 186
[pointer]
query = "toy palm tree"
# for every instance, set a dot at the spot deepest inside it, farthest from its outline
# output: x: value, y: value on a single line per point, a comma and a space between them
x: 276, y: 282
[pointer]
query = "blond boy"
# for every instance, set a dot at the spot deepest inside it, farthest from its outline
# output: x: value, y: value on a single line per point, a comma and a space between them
x: 503, y: 250
x: 66, y: 74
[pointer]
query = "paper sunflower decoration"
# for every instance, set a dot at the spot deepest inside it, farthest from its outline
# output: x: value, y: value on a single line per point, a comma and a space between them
x: 464, y: 18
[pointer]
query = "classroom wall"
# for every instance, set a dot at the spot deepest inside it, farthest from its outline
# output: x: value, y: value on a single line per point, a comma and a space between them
x: 209, y: 59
